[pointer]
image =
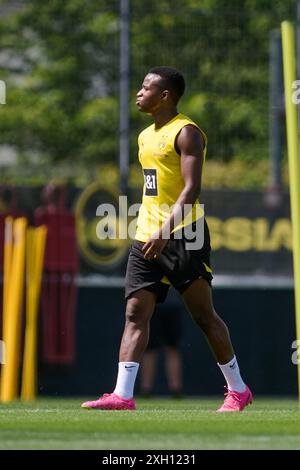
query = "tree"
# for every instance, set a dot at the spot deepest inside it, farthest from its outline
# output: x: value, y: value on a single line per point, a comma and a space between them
x: 60, y: 96
x: 61, y: 64
x: 222, y: 47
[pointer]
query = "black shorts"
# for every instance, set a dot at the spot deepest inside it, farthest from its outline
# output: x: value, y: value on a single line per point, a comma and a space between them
x: 179, y: 265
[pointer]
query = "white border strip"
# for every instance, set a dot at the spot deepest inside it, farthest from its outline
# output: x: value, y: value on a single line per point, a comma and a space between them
x: 257, y: 281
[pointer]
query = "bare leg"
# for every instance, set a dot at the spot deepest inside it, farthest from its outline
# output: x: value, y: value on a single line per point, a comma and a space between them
x: 198, y: 299
x: 148, y: 370
x: 173, y: 369
x: 139, y: 309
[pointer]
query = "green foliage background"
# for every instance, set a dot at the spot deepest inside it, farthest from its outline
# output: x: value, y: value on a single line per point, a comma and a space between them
x: 60, y: 61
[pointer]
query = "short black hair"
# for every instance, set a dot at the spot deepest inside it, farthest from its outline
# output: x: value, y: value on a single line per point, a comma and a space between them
x: 173, y: 80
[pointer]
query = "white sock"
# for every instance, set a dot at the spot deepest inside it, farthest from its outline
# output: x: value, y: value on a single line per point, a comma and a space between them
x: 126, y: 379
x: 232, y: 375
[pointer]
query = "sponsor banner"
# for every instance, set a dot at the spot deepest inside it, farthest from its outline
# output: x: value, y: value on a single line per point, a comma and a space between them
x: 250, y: 230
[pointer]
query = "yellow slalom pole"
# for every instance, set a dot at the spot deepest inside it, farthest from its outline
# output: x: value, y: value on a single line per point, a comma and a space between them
x: 29, y: 344
x: 36, y: 241
x: 8, y: 246
x: 10, y: 372
x: 8, y: 250
x: 289, y: 66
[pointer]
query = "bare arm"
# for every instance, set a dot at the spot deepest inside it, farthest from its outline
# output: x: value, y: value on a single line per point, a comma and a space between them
x: 190, y: 145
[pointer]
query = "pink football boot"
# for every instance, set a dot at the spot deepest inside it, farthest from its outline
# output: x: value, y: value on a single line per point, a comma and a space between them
x: 110, y: 401
x: 235, y: 401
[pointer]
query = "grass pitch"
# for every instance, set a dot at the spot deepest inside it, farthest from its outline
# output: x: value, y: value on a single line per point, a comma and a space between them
x: 157, y: 424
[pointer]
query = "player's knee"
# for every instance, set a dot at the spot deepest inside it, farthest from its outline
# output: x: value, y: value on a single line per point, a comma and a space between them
x: 135, y: 311
x: 206, y: 319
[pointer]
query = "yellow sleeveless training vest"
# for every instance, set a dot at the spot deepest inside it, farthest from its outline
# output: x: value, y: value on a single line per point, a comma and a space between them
x: 163, y: 182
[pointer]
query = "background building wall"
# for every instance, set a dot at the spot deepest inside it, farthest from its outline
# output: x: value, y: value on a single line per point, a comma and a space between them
x: 262, y: 329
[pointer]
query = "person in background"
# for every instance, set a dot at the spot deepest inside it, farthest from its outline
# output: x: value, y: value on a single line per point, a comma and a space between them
x: 165, y: 333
